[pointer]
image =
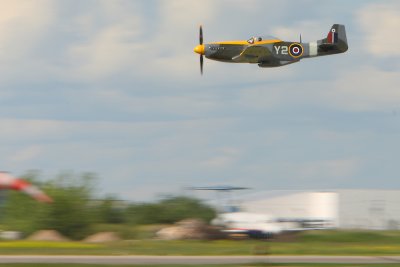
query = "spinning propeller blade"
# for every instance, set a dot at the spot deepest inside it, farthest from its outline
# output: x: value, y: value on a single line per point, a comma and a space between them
x: 201, y: 35
x: 201, y: 43
x: 200, y: 50
x: 201, y: 64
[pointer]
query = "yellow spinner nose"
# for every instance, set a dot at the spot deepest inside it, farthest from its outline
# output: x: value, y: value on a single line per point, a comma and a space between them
x: 199, y: 49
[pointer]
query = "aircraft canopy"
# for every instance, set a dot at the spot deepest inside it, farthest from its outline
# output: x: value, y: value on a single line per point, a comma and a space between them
x: 255, y: 39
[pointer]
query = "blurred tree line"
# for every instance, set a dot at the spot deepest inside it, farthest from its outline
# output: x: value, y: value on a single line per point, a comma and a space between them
x: 76, y: 212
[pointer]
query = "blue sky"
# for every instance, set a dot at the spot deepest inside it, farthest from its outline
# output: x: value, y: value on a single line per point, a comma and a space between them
x: 113, y: 87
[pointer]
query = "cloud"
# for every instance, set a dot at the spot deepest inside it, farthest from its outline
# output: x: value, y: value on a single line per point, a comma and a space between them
x: 169, y: 50
x: 125, y: 44
x: 224, y: 158
x: 184, y: 105
x: 309, y: 29
x: 302, y: 174
x: 113, y: 149
x: 328, y: 169
x: 109, y: 49
x: 25, y: 154
x: 380, y: 23
x: 23, y: 25
x: 365, y: 89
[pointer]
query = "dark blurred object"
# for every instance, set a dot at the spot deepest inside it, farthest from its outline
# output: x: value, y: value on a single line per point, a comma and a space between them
x: 242, y: 234
x: 169, y: 211
x: 194, y: 229
x: 111, y: 210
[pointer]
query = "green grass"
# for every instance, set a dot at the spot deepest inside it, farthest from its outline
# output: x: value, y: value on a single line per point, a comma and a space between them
x: 351, y: 236
x: 307, y: 243
x: 40, y: 244
x: 246, y: 265
x: 154, y: 247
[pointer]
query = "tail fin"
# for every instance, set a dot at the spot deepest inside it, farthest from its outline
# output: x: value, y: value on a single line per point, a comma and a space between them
x: 335, y: 42
x: 333, y: 36
x: 337, y: 32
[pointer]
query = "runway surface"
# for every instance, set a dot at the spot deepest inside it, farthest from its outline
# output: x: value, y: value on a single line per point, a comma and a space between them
x: 122, y: 260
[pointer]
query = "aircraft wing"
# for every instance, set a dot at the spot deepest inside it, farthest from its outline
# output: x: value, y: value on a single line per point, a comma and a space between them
x: 253, y: 54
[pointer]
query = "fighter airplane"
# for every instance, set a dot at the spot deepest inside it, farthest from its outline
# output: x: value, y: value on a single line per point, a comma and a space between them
x: 268, y: 51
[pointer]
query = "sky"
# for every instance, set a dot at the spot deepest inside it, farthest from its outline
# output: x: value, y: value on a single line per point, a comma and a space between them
x: 114, y: 88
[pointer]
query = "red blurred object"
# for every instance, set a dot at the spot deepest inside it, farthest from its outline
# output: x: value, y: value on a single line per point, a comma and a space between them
x: 9, y: 182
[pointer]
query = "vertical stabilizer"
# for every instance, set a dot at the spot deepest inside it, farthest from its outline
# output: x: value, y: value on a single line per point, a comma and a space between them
x: 335, y: 42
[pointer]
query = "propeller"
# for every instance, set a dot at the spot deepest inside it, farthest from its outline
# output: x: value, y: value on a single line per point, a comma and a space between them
x: 201, y: 64
x: 199, y: 49
x: 201, y: 35
x: 201, y: 55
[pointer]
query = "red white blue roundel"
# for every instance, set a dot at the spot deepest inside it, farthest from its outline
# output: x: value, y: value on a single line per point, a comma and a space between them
x: 296, y: 50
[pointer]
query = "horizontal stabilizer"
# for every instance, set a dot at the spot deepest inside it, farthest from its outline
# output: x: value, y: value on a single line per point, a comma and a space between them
x: 327, y: 46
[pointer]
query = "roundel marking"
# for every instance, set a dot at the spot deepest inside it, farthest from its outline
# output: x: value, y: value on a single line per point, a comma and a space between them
x: 296, y: 50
